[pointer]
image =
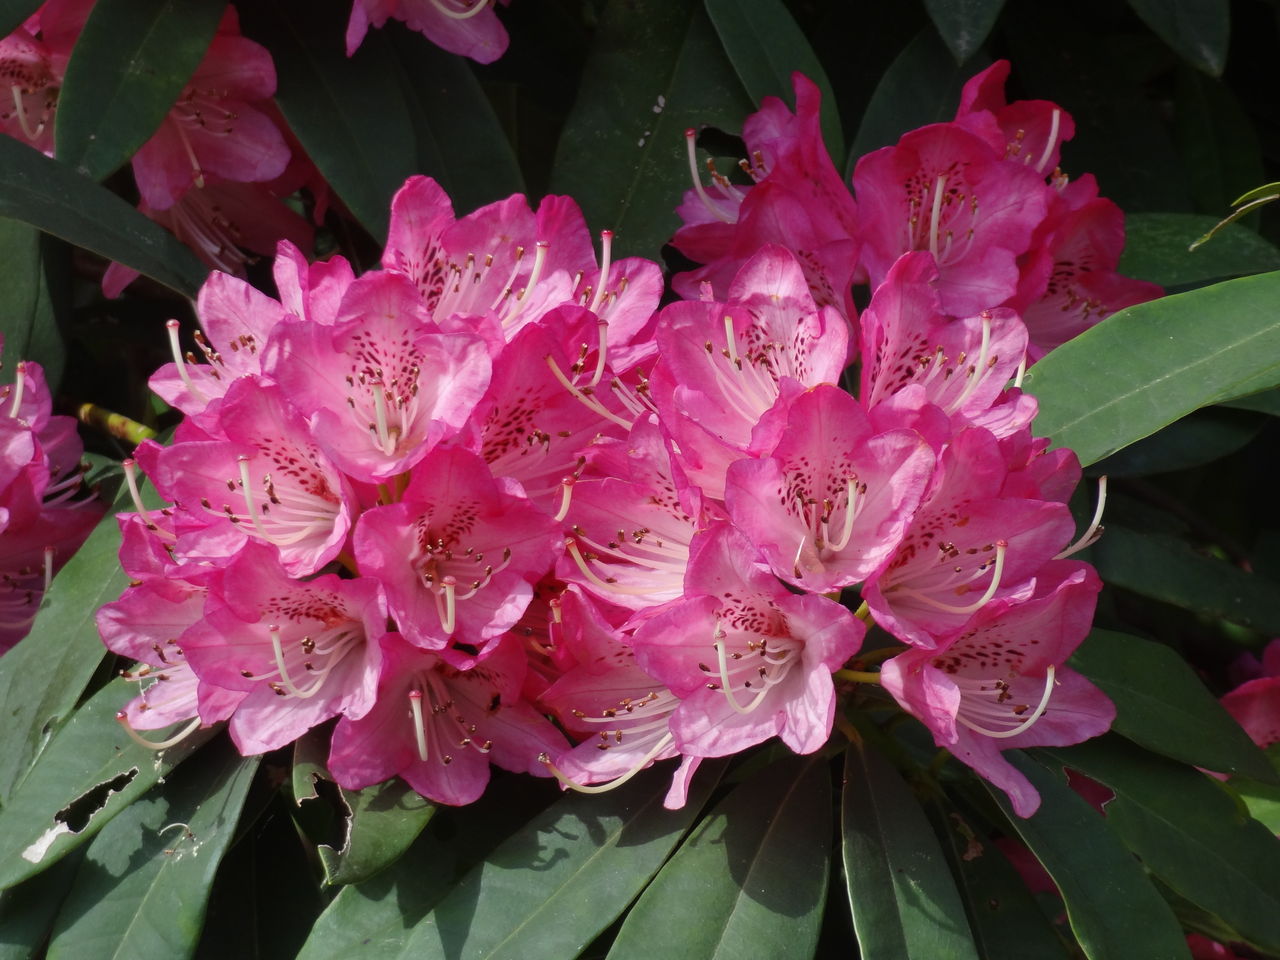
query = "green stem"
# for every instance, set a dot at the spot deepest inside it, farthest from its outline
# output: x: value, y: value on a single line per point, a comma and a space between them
x: 115, y: 424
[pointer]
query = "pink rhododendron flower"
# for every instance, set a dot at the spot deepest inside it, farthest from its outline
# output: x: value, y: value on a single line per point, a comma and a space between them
x: 1256, y: 703
x: 466, y: 27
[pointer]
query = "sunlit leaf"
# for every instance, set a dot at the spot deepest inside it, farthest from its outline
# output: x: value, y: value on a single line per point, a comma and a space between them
x: 383, y: 820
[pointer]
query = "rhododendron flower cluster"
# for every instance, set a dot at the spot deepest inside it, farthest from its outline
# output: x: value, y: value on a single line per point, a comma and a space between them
x: 45, y: 513
x: 490, y: 504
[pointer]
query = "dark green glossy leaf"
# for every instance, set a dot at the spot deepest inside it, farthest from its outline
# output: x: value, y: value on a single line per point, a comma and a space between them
x: 1143, y: 368
x: 27, y: 910
x: 622, y: 152
x: 14, y: 12
x: 145, y: 880
x: 1200, y: 437
x: 1156, y: 250
x: 1162, y: 705
x: 459, y: 139
x: 63, y: 649
x: 349, y: 113
x: 28, y: 321
x: 90, y: 772
x: 904, y: 898
x: 750, y: 880
x: 129, y: 64
x: 383, y: 820
x: 310, y: 754
x: 1267, y: 402
x: 1115, y: 912
x: 765, y: 45
x: 549, y: 889
x: 921, y: 86
x: 964, y: 24
x: 49, y: 195
x: 1197, y: 30
x: 1217, y: 139
x: 1165, y: 568
x: 1189, y: 832
x: 1006, y: 921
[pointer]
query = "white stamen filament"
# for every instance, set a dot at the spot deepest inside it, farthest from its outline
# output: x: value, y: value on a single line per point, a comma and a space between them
x: 977, y: 370
x: 1022, y: 370
x: 606, y: 261
x: 997, y: 573
x: 539, y: 261
x: 419, y: 731
x: 464, y: 14
x: 180, y: 361
x: 602, y: 349
x: 935, y: 214
x: 19, y: 387
x: 571, y: 545
x: 1049, y: 144
x: 591, y: 403
x: 292, y: 688
x: 566, y: 495
x: 48, y: 567
x: 995, y: 714
x: 1094, y: 530
x: 850, y: 513
x: 662, y: 744
x: 21, y: 109
x: 446, y: 604
x: 690, y: 136
x: 177, y: 738
x: 385, y: 437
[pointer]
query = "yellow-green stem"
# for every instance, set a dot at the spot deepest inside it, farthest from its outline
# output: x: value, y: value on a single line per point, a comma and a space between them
x: 857, y: 676
x: 115, y: 424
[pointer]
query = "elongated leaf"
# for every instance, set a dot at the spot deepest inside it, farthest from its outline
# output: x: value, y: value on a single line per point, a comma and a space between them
x: 27, y: 317
x: 63, y: 649
x: 1144, y: 367
x: 1189, y: 832
x: 1261, y: 799
x: 88, y: 774
x: 145, y: 881
x: 904, y: 899
x: 1200, y: 437
x: 750, y: 880
x: 1267, y: 402
x: 765, y: 45
x: 1114, y: 911
x: 1162, y: 705
x: 1156, y: 250
x: 1197, y: 30
x: 964, y: 24
x: 129, y: 64
x: 1165, y: 568
x: 1218, y: 140
x: 1006, y: 921
x: 27, y: 911
x: 14, y: 12
x: 349, y: 114
x: 552, y: 887
x: 459, y: 139
x: 49, y: 195
x: 384, y: 819
x: 622, y: 152
x: 921, y: 86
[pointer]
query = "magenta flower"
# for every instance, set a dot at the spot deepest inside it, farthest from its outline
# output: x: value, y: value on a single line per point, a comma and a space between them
x: 1028, y: 132
x: 1256, y: 703
x: 466, y: 27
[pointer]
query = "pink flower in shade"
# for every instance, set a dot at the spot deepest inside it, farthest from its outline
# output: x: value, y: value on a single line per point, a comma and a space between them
x: 748, y: 658
x: 439, y: 727
x: 726, y: 366
x: 1001, y: 684
x: 458, y: 554
x: 967, y: 546
x: 963, y: 365
x: 944, y: 190
x: 799, y: 201
x: 382, y: 385
x: 215, y: 127
x: 264, y: 478
x: 1256, y: 703
x: 1027, y: 132
x: 833, y: 500
x: 1069, y: 280
x: 27, y: 73
x: 299, y: 651
x: 466, y: 27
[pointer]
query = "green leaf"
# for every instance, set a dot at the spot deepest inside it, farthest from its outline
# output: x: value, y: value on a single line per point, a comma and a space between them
x: 63, y: 649
x: 1162, y: 705
x: 765, y: 46
x: 1189, y: 832
x: 904, y: 899
x: 1165, y: 568
x: 28, y: 321
x: 146, y: 877
x: 751, y: 880
x: 460, y: 141
x: 1156, y: 250
x: 350, y: 114
x: 310, y: 755
x: 1198, y: 438
x: 964, y: 24
x: 1006, y: 921
x: 128, y: 67
x: 1197, y: 30
x: 383, y: 820
x: 27, y: 911
x: 49, y: 195
x: 1144, y: 367
x: 1261, y: 799
x: 14, y: 12
x: 921, y: 86
x: 1267, y: 402
x: 1115, y: 912
x: 1216, y: 138
x: 548, y: 890
x: 622, y: 152
x: 90, y: 772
